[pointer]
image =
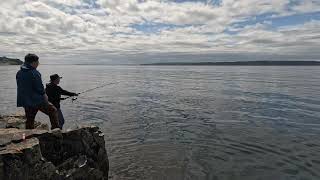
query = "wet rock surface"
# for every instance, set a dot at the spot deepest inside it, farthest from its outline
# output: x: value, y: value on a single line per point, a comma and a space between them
x: 41, y: 154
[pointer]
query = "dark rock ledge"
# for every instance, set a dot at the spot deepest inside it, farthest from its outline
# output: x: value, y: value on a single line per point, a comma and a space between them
x: 40, y: 154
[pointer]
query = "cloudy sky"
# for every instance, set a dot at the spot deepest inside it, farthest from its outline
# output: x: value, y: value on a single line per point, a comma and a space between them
x: 116, y: 30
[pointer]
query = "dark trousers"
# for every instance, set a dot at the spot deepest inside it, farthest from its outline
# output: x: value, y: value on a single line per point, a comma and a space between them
x: 61, y: 118
x: 47, y: 109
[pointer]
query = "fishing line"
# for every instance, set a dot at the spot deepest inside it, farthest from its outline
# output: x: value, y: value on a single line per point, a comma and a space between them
x: 89, y: 90
x: 86, y: 91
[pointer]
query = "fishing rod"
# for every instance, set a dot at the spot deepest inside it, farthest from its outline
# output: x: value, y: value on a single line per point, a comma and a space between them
x: 88, y: 90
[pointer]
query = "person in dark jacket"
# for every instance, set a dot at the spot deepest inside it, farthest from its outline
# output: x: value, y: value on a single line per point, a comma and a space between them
x: 31, y: 94
x: 54, y: 93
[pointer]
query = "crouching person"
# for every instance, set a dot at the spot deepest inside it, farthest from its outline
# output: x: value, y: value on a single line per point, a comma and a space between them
x: 31, y: 93
x: 54, y: 93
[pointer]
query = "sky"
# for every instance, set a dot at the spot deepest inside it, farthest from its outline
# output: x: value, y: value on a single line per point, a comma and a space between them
x: 126, y: 31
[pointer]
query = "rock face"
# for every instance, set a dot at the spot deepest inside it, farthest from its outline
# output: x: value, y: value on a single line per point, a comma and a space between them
x: 18, y: 121
x: 41, y: 154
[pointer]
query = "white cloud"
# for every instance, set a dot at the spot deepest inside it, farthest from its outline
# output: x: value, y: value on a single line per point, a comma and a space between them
x: 307, y: 6
x: 74, y: 26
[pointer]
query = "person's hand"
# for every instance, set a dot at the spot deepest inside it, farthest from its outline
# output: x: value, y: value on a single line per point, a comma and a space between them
x: 46, y: 99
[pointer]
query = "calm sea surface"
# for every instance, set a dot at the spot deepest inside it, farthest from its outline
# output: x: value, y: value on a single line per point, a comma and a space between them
x: 193, y: 122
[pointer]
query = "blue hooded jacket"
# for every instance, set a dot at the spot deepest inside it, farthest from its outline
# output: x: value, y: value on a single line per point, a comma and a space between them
x: 30, y: 89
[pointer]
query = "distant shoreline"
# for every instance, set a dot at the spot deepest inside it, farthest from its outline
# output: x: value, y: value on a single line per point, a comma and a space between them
x: 4, y: 61
x: 239, y: 63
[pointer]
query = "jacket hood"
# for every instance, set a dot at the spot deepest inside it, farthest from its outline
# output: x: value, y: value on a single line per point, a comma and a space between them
x: 26, y: 67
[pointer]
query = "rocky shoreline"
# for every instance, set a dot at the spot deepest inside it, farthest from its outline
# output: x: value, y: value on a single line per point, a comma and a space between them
x: 42, y: 154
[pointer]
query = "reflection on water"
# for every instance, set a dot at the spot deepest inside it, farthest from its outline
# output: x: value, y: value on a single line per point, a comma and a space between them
x: 196, y: 122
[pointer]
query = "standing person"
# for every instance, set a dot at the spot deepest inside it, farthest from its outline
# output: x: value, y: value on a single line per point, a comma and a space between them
x: 54, y: 93
x: 31, y: 94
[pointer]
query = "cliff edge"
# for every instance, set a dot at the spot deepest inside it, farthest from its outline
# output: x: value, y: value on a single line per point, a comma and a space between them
x: 56, y: 155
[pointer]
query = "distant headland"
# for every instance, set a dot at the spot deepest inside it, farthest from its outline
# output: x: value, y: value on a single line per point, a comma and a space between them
x: 9, y: 61
x: 239, y: 63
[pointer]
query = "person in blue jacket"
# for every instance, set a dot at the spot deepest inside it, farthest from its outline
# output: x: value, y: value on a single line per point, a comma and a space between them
x: 31, y: 94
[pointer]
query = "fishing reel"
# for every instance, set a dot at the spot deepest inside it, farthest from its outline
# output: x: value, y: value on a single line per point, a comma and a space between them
x: 74, y: 98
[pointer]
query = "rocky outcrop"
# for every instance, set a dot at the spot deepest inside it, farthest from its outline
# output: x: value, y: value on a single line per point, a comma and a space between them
x: 18, y: 121
x: 10, y: 61
x: 41, y: 154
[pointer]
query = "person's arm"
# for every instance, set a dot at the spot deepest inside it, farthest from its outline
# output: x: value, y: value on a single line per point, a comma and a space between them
x: 38, y: 86
x: 46, y: 99
x: 37, y: 83
x: 67, y: 93
x: 64, y: 98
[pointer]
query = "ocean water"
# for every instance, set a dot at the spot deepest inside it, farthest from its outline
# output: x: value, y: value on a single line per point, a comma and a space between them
x: 194, y: 122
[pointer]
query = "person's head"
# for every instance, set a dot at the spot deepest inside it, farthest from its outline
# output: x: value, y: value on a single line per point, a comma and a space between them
x: 55, y: 79
x: 32, y: 60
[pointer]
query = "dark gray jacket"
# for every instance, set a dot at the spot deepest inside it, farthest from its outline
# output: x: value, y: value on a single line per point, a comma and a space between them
x: 54, y: 93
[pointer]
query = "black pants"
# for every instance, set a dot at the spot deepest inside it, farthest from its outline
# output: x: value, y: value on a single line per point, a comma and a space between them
x: 47, y: 109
